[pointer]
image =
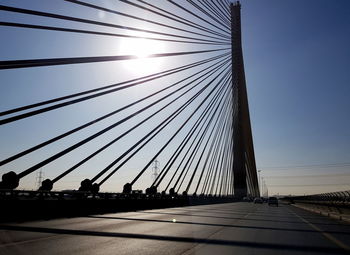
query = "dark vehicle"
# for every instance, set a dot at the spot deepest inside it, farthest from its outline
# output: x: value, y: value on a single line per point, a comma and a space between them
x: 247, y: 199
x: 272, y: 201
x: 258, y: 200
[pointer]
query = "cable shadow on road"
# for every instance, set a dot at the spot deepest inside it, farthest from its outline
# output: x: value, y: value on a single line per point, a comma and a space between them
x: 313, y: 249
x: 230, y: 218
x: 216, y: 225
x: 283, y: 215
x: 259, y: 213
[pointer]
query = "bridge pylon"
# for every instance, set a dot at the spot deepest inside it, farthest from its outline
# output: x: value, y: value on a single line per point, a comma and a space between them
x: 244, y: 168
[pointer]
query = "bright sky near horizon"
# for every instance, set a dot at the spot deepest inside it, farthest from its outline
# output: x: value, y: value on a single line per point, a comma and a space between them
x: 297, y: 65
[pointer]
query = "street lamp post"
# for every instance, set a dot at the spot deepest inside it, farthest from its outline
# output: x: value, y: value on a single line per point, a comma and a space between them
x: 260, y: 181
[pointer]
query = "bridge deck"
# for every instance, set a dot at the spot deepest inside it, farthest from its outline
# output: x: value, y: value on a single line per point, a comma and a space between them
x: 233, y: 228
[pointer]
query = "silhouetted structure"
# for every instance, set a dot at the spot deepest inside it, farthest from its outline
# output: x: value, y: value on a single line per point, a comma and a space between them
x: 216, y: 156
x: 244, y: 168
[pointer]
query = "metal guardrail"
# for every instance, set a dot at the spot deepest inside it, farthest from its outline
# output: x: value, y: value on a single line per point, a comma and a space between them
x: 23, y: 205
x: 340, y: 198
x: 76, y: 194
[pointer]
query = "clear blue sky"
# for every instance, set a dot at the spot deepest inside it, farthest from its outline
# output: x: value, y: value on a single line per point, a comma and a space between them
x: 297, y: 58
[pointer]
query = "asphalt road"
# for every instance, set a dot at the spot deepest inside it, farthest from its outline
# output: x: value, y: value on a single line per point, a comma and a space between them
x: 234, y: 228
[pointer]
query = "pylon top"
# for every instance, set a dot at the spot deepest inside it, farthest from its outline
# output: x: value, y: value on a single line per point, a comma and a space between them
x: 237, y: 3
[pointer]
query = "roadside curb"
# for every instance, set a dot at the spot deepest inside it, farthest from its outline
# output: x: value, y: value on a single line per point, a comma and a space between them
x: 337, y: 216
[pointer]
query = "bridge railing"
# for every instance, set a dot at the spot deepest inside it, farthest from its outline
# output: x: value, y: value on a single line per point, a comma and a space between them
x: 24, y: 205
x: 79, y: 195
x: 337, y: 199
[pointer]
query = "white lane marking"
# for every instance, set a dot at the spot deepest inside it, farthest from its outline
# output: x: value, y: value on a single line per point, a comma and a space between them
x: 326, y: 235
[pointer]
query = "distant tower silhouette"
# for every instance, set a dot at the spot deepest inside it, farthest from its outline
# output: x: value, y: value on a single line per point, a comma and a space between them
x: 155, y: 169
x: 39, y: 178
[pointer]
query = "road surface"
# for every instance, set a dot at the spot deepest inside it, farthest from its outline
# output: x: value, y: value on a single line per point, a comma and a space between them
x: 232, y: 228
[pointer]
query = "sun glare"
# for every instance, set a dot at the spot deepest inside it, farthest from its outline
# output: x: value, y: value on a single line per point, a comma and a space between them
x: 142, y: 49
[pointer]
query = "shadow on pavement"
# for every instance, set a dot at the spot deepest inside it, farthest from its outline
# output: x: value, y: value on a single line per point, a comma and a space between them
x: 231, y: 218
x: 217, y: 225
x: 313, y: 249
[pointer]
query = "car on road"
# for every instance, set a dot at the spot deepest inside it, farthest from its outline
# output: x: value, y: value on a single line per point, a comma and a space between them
x: 272, y: 201
x: 258, y: 200
x: 247, y: 199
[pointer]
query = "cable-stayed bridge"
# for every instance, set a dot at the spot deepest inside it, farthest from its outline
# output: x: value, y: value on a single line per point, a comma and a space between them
x: 208, y: 150
x: 103, y: 89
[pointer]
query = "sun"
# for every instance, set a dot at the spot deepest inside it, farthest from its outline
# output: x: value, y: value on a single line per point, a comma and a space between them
x: 142, y: 48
